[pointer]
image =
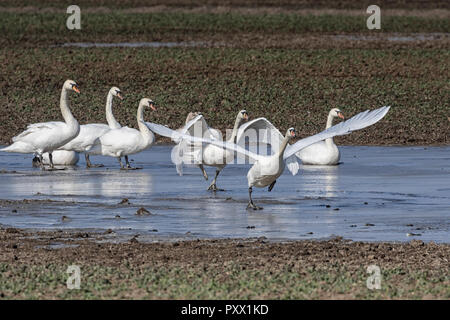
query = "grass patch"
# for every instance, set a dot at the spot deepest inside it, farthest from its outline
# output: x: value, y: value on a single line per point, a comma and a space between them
x: 50, y: 28
x: 230, y: 281
x: 299, y: 85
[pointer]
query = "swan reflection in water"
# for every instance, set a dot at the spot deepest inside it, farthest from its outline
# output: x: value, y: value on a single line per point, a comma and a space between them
x: 320, y: 181
x: 74, y: 183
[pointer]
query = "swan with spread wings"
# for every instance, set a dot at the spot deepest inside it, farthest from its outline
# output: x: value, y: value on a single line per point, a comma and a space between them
x: 186, y: 152
x: 267, y: 168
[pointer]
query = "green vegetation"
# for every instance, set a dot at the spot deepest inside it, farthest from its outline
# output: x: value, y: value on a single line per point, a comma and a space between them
x: 301, y: 85
x: 290, y: 4
x: 50, y: 28
x: 232, y: 281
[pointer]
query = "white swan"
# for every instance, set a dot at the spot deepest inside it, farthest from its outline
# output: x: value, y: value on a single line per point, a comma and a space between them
x: 48, y: 136
x: 266, y: 169
x: 323, y: 152
x: 59, y: 157
x: 211, y: 155
x: 90, y: 132
x: 126, y: 141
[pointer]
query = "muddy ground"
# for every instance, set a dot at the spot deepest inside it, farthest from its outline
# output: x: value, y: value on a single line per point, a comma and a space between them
x: 33, y: 265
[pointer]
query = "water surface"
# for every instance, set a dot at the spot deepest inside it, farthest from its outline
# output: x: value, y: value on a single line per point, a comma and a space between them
x: 376, y: 194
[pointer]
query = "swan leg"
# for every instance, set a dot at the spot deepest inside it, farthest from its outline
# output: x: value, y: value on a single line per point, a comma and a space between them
x: 36, y: 162
x: 205, y: 175
x: 251, y: 205
x: 50, y: 158
x: 128, y: 163
x: 128, y: 166
x: 272, y: 185
x: 89, y: 164
x: 52, y: 166
x: 41, y: 161
x: 121, y: 164
x: 213, y: 186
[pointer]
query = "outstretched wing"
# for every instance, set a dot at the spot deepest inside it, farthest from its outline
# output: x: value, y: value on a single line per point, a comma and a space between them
x: 199, y: 128
x: 178, y: 136
x: 360, y: 121
x: 188, y: 152
x: 260, y: 132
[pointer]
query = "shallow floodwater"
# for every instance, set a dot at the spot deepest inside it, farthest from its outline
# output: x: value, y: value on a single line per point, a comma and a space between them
x: 376, y: 194
x: 154, y: 44
x: 395, y: 37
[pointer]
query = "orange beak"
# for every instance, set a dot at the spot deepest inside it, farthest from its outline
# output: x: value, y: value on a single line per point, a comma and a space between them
x: 152, y: 106
x: 120, y: 96
x: 75, y: 88
x: 245, y: 116
x: 341, y: 115
x: 293, y: 134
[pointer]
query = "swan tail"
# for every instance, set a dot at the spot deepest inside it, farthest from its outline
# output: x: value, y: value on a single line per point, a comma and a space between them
x: 18, y: 147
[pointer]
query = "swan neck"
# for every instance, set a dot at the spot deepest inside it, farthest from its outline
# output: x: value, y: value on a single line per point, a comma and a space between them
x: 329, y: 141
x: 65, y: 107
x: 283, y: 146
x: 235, y: 130
x: 145, y: 131
x: 329, y: 121
x: 112, y: 122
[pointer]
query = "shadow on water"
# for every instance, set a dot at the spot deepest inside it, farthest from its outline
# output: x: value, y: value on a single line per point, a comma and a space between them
x: 376, y: 194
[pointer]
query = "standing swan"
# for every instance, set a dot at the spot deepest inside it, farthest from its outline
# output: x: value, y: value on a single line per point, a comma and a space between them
x: 210, y: 155
x: 125, y: 141
x: 266, y: 169
x: 48, y: 136
x: 92, y: 131
x: 323, y: 152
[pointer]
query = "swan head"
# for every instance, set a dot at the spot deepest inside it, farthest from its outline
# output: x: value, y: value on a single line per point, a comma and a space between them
x: 71, y: 85
x: 191, y: 116
x: 116, y: 92
x: 290, y: 133
x: 243, y: 115
x: 337, y: 113
x: 148, y: 103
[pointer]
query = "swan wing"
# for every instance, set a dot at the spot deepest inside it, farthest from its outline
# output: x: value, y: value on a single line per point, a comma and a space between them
x: 36, y: 127
x: 360, y: 121
x: 178, y: 136
x: 199, y: 127
x: 189, y: 152
x: 260, y: 131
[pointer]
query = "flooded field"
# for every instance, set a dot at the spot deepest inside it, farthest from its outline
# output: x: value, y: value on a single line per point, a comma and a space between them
x: 376, y: 194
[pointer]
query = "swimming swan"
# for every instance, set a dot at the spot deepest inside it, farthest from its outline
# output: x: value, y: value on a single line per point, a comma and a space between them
x: 323, y: 152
